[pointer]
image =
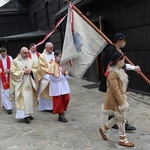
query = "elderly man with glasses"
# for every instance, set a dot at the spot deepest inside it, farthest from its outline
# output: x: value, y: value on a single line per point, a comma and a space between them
x: 45, y: 101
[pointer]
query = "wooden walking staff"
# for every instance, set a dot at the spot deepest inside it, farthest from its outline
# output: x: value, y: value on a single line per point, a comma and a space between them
x: 108, y: 41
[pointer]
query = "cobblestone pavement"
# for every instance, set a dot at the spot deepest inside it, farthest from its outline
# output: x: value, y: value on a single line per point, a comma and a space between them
x: 81, y: 131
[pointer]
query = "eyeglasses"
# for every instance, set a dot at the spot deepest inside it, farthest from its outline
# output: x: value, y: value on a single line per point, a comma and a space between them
x: 25, y: 52
x: 50, y: 47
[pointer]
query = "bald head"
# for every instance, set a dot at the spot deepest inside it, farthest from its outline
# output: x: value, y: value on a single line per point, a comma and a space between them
x: 49, y: 47
x: 48, y: 44
x: 24, y: 52
x: 24, y: 49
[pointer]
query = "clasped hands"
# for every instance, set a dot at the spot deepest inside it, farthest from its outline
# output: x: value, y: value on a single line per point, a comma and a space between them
x: 27, y: 70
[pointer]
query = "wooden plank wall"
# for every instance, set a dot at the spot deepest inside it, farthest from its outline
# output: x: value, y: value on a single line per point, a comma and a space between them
x: 132, y: 19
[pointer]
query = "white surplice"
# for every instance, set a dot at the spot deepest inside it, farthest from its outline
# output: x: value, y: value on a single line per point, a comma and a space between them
x: 34, y: 57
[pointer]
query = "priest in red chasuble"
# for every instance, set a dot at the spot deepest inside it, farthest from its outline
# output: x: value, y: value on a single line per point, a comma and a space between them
x: 5, y: 64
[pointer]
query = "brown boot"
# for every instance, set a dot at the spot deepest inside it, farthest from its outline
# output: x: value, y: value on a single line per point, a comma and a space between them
x: 124, y: 142
x: 103, y: 131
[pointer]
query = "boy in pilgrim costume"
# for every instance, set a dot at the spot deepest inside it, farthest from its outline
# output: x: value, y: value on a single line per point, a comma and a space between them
x: 119, y: 44
x: 116, y: 99
x: 59, y: 87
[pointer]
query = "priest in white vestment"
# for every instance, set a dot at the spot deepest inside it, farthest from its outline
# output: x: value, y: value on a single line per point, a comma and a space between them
x: 23, y: 88
x: 45, y: 101
x: 5, y: 64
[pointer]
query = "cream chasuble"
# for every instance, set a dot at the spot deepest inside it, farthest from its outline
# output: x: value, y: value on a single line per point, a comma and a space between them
x: 23, y: 87
x: 43, y: 76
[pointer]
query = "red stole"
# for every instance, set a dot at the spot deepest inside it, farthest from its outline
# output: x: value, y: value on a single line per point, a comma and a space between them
x: 5, y: 81
x: 38, y: 55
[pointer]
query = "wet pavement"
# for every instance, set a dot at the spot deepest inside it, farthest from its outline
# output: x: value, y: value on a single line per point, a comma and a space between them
x: 81, y: 131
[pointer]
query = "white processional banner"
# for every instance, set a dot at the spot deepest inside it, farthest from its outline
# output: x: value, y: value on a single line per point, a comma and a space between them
x: 81, y: 46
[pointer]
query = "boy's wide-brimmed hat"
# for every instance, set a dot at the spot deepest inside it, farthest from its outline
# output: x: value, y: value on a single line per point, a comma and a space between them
x: 119, y: 36
x: 116, y: 56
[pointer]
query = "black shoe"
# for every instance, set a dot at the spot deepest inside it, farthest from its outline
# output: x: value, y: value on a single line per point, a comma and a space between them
x: 129, y: 127
x: 62, y: 118
x: 9, y: 111
x: 27, y: 119
x: 31, y: 118
x: 115, y: 126
x: 110, y: 117
x: 50, y: 111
